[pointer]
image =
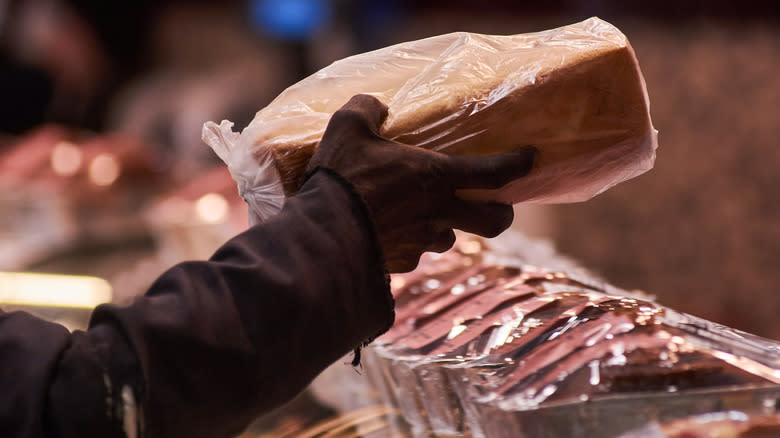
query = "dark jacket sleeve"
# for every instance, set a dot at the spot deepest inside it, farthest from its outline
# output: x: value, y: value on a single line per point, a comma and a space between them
x: 212, y: 344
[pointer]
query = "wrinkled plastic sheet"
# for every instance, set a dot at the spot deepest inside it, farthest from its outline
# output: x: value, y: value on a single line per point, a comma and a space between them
x: 763, y: 423
x: 575, y: 92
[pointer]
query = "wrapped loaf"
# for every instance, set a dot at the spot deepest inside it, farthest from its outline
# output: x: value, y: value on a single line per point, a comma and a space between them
x: 575, y: 92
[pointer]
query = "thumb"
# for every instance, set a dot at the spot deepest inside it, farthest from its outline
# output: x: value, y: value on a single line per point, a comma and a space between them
x: 493, y: 171
x: 361, y: 110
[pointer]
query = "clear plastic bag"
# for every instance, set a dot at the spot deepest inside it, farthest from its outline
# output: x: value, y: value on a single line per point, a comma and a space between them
x: 575, y: 92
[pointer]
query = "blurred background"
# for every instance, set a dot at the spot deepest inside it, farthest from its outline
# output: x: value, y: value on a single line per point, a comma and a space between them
x: 103, y: 173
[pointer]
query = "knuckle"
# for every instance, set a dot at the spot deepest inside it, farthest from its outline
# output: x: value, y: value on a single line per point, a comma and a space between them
x: 361, y: 110
x: 437, y: 169
x: 347, y: 117
x: 365, y: 99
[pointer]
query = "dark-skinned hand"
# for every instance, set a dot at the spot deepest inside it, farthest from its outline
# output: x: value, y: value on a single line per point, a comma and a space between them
x: 410, y: 191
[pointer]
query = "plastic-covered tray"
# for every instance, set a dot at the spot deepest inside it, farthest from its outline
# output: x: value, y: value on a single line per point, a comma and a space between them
x: 518, y: 351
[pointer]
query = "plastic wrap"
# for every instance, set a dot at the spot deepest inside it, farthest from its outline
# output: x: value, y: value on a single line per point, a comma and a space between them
x: 488, y: 350
x: 722, y: 424
x: 576, y: 93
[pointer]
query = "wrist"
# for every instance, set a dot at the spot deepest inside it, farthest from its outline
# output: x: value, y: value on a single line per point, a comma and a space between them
x: 361, y: 212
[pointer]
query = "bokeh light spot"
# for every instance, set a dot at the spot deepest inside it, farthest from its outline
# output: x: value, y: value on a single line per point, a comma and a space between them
x: 66, y: 158
x: 104, y: 170
x: 211, y: 208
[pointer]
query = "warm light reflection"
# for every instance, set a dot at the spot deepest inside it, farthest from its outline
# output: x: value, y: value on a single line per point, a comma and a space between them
x: 455, y: 331
x: 53, y: 290
x: 470, y: 247
x: 397, y: 282
x: 104, y: 170
x: 66, y: 158
x: 211, y: 208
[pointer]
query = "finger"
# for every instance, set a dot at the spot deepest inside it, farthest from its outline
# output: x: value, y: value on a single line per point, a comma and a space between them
x: 493, y: 171
x: 487, y: 219
x: 443, y: 241
x: 362, y: 110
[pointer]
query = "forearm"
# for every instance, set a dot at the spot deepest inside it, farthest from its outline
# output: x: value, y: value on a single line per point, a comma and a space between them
x: 216, y: 343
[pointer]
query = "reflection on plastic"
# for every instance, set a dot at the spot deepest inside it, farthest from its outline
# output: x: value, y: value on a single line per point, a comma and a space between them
x: 721, y: 424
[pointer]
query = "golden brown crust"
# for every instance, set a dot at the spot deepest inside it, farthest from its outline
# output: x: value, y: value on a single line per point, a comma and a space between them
x: 291, y: 161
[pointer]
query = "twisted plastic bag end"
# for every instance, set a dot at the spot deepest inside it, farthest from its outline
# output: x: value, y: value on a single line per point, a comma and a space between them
x: 259, y: 182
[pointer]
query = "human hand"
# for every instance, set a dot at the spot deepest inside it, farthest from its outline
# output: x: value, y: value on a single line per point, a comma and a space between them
x: 411, y: 191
